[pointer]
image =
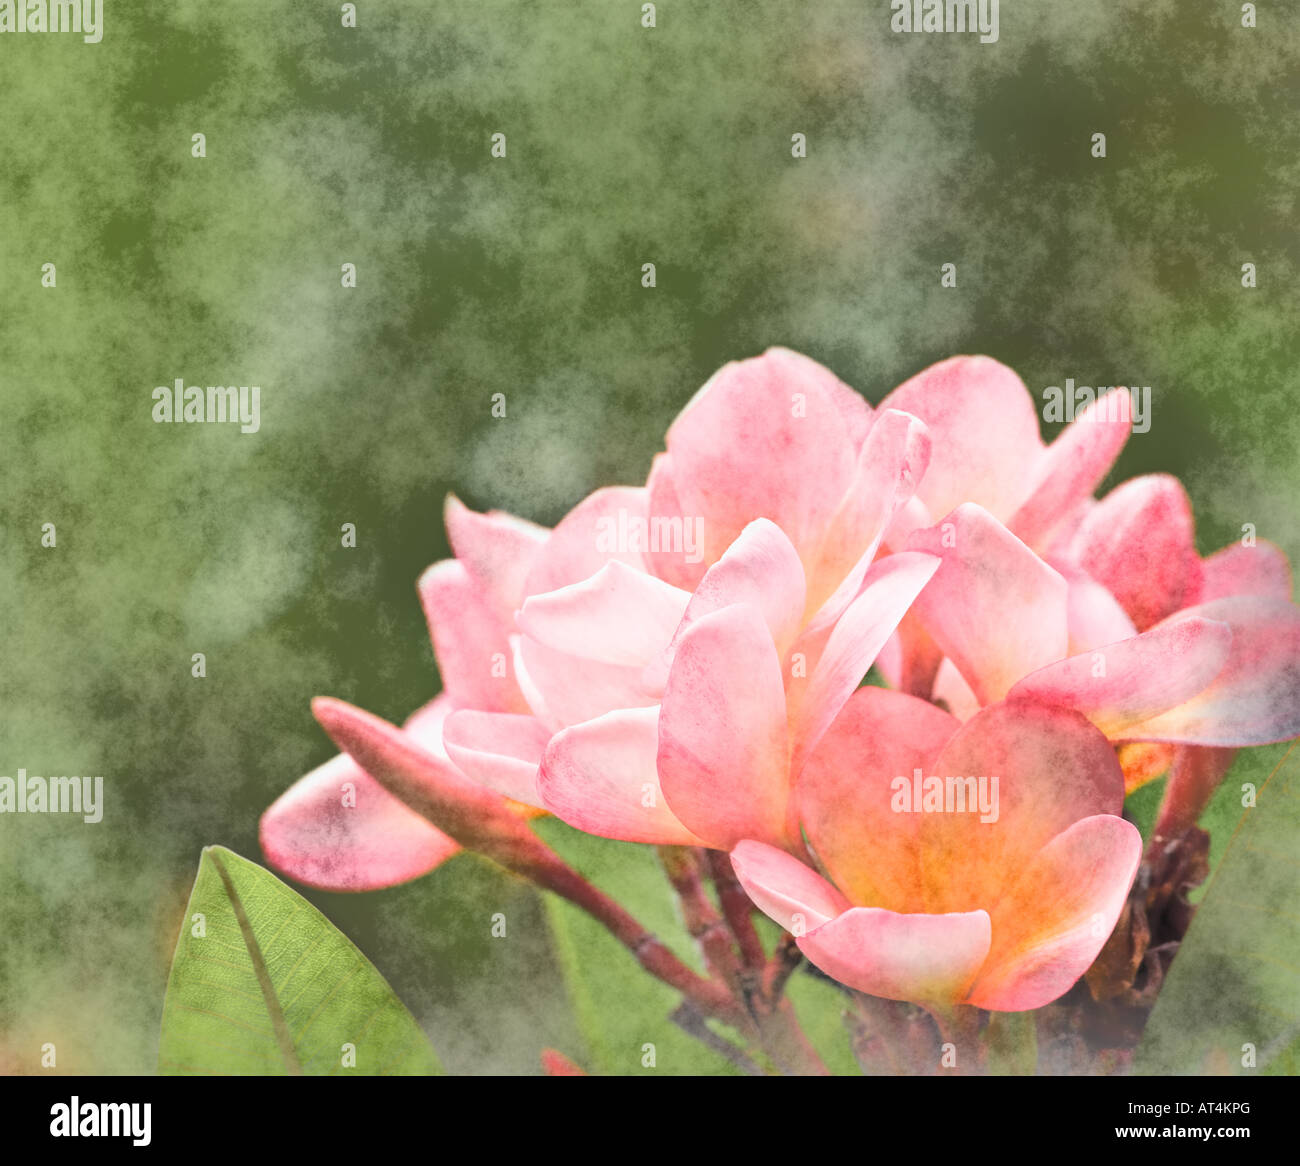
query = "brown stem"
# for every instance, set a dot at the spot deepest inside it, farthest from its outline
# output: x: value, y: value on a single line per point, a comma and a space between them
x: 891, y: 1038
x: 784, y: 963
x: 692, y: 1022
x: 787, y: 1043
x: 738, y: 909
x: 708, y: 995
x: 705, y: 925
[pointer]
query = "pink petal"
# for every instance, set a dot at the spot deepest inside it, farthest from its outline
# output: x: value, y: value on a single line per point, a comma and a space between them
x: 1052, y: 768
x: 563, y: 689
x: 953, y: 693
x: 470, y: 643
x: 497, y: 550
x: 1094, y: 614
x: 618, y: 616
x: 892, y: 461
x: 723, y: 757
x: 677, y: 554
x: 1261, y: 569
x: 1139, y: 543
x: 760, y: 568
x: 1052, y: 923
x: 310, y: 835
x: 1255, y: 698
x: 372, y: 841
x: 928, y: 959
x: 765, y: 438
x: 785, y: 889
x: 602, y: 777
x: 427, y: 783
x: 1073, y: 466
x: 1141, y: 677
x: 499, y: 750
x: 887, y: 592
x: 983, y: 429
x: 845, y: 794
x: 993, y: 607
x: 611, y: 523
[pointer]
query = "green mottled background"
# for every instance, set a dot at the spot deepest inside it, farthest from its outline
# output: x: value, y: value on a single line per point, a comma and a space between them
x: 521, y: 276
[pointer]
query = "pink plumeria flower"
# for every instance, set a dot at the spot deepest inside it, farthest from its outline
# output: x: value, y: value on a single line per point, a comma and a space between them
x: 778, y: 433
x: 748, y: 689
x: 1129, y: 560
x: 943, y: 903
x: 1221, y: 673
x: 595, y: 633
x: 1135, y: 551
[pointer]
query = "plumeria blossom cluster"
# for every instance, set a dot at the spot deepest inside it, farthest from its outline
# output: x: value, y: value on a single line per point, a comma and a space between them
x: 682, y: 664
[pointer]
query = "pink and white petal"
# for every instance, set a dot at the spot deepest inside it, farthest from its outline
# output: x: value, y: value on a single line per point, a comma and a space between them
x: 676, y: 553
x: 602, y: 777
x: 927, y: 959
x: 1073, y: 466
x: 1053, y: 921
x: 912, y: 516
x: 1094, y: 614
x: 993, y: 607
x: 499, y: 750
x: 1139, y: 543
x: 1261, y: 569
x: 427, y: 783
x: 469, y: 641
x: 887, y: 592
x: 1120, y: 686
x: 1060, y: 546
x: 618, y: 616
x: 497, y: 550
x: 846, y: 801
x: 889, y: 661
x: 1255, y: 698
x: 765, y: 438
x: 984, y: 432
x: 786, y: 890
x: 723, y: 759
x: 953, y: 693
x: 563, y: 689
x: 760, y: 568
x: 338, y: 829
x: 426, y: 723
x: 1051, y: 766
x: 892, y: 461
x: 609, y: 524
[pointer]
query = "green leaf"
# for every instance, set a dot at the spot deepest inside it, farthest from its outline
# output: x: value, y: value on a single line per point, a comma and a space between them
x: 263, y: 984
x: 1233, y: 990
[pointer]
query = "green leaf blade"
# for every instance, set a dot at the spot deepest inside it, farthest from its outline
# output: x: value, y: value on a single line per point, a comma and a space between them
x: 268, y: 986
